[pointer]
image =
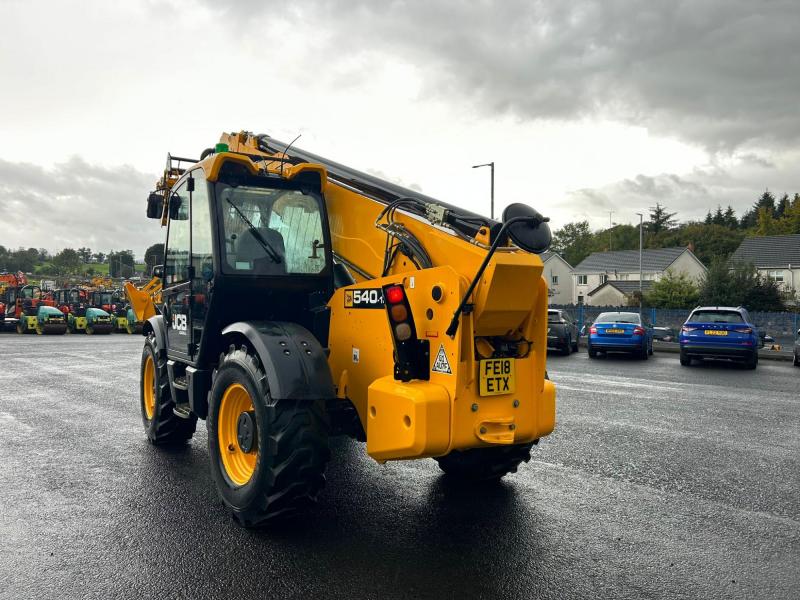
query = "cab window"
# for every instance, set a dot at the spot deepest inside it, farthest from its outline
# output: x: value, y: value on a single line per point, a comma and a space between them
x: 176, y: 259
x: 270, y: 231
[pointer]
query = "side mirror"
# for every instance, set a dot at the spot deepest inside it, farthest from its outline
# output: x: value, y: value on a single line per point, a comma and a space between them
x: 158, y: 271
x: 175, y: 203
x: 155, y: 205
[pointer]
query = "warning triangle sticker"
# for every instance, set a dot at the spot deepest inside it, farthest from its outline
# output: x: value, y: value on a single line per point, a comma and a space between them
x: 440, y: 365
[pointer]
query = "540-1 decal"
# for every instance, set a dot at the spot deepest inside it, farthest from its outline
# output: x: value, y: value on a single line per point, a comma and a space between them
x: 363, y: 298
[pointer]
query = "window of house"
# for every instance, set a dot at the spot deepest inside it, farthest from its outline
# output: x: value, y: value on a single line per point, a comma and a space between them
x: 554, y: 279
x: 580, y: 298
x: 623, y: 277
x: 582, y: 279
x: 603, y: 279
x: 775, y: 276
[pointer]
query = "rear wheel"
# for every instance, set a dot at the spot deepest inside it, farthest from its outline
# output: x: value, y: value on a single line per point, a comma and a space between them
x: 268, y: 456
x: 162, y: 425
x: 592, y: 352
x: 685, y: 360
x: 643, y: 354
x: 484, y: 464
x: 796, y: 361
x: 567, y: 348
x: 575, y: 346
x: 752, y: 361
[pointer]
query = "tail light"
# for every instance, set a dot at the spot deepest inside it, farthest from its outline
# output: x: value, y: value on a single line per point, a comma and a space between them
x: 638, y: 330
x: 745, y: 330
x: 411, y: 355
x: 592, y: 329
x: 686, y: 329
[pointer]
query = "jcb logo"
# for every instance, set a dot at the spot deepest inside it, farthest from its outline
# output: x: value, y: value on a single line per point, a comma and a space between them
x: 363, y: 298
x: 178, y: 322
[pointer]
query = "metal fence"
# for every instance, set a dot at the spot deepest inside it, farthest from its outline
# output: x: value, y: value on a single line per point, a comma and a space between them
x: 782, y: 326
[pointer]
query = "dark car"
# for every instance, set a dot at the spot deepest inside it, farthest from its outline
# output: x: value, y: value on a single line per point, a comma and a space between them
x: 797, y: 349
x: 720, y: 332
x: 562, y: 332
x: 620, y: 332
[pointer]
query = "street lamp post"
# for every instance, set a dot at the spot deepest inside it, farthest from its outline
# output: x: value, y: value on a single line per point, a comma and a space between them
x: 491, y: 164
x: 641, y: 240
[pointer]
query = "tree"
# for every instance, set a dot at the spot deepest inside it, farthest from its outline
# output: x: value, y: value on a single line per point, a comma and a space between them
x: 153, y: 256
x: 85, y: 254
x: 731, y: 222
x: 739, y: 286
x: 766, y: 201
x: 100, y: 257
x: 573, y: 241
x: 120, y: 264
x: 783, y: 205
x: 67, y: 262
x: 660, y: 219
x: 673, y: 291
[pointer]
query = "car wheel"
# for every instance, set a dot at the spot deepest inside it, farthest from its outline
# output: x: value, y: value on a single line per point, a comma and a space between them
x: 650, y: 349
x: 575, y: 346
x: 796, y: 360
x: 592, y: 352
x: 685, y: 360
x: 752, y: 362
x: 567, y: 348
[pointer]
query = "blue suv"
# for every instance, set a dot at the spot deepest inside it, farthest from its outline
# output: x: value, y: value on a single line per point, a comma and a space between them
x: 719, y: 332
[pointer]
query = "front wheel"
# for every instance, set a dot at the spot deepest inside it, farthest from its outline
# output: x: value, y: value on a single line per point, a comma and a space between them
x: 484, y: 464
x: 268, y: 456
x: 162, y: 425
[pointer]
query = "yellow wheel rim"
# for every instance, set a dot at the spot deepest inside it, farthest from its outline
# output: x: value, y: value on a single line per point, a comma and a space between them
x: 239, y: 465
x: 149, y: 388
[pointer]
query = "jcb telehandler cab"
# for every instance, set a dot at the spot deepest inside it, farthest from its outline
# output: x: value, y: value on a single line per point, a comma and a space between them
x: 302, y: 299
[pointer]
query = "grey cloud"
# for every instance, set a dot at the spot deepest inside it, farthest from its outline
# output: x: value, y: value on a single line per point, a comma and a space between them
x: 691, y: 195
x: 75, y: 204
x: 720, y: 73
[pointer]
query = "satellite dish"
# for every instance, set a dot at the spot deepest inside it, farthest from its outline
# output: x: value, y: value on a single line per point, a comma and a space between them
x: 531, y: 234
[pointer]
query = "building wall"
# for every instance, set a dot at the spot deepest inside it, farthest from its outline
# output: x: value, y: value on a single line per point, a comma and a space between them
x: 686, y: 263
x: 791, y: 278
x: 561, y: 292
x: 608, y: 296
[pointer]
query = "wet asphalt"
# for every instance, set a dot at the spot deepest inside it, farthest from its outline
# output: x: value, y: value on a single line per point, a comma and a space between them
x: 659, y: 482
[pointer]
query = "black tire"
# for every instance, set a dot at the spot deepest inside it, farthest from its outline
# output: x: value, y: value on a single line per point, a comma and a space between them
x: 484, y: 464
x: 164, y: 427
x: 685, y: 360
x: 643, y: 354
x: 292, y: 446
x: 575, y: 346
x: 650, y: 349
x: 567, y: 350
x: 752, y: 362
x: 592, y: 352
x: 796, y: 361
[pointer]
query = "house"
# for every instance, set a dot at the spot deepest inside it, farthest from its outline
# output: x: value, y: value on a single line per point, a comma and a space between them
x: 618, y: 293
x: 623, y: 266
x: 774, y: 256
x: 558, y: 275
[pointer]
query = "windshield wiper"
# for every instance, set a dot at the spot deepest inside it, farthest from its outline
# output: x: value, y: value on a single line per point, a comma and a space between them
x: 271, y: 252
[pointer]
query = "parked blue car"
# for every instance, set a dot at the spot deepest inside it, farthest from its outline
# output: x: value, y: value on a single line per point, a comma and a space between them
x: 620, y: 332
x: 719, y: 332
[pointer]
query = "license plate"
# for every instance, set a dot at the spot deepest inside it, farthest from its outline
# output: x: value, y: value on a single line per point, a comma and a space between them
x: 715, y: 332
x: 496, y: 376
x: 615, y: 331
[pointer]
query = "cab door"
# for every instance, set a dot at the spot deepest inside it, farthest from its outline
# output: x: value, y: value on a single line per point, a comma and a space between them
x: 176, y: 291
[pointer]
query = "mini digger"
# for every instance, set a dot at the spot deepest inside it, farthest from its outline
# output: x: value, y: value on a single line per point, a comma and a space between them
x: 303, y: 299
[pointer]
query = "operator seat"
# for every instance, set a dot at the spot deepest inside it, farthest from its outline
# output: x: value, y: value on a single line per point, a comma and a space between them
x: 249, y: 249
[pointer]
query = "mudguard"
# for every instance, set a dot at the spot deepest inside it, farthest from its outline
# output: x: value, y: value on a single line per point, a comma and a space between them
x: 156, y: 325
x: 294, y: 361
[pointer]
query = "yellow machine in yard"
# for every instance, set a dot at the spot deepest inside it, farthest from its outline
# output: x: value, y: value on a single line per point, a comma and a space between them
x: 303, y: 299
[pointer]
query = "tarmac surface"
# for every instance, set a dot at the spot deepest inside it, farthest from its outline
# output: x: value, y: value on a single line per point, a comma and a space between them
x: 659, y: 482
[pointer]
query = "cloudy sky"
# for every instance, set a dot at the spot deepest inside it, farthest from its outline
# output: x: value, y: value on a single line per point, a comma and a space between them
x: 586, y: 107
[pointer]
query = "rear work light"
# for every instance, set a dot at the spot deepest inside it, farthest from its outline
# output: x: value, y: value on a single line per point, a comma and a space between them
x: 411, y: 355
x: 638, y: 330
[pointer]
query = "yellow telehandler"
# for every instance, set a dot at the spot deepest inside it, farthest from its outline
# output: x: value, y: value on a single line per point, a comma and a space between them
x: 303, y: 299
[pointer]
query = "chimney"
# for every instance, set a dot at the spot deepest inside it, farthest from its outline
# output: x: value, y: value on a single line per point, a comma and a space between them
x: 691, y: 247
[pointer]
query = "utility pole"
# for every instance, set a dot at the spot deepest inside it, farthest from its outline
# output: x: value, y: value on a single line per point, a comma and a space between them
x: 491, y: 165
x: 641, y: 243
x: 610, y: 226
